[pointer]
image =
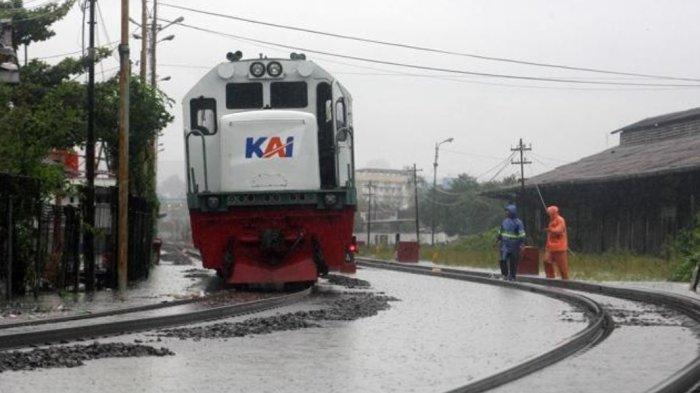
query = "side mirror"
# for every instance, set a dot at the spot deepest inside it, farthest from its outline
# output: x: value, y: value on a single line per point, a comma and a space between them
x: 343, y: 134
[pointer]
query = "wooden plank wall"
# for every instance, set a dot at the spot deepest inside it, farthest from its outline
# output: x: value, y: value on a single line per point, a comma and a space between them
x: 639, y: 215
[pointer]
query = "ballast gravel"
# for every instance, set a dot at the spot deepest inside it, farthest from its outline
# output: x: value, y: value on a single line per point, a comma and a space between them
x: 347, y: 282
x: 74, y: 355
x: 347, y: 307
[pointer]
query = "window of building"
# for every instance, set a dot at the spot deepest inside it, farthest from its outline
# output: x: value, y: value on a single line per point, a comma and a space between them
x: 289, y: 95
x: 244, y: 95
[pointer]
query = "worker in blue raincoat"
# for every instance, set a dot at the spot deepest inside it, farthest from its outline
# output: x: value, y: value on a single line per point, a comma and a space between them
x: 511, y: 235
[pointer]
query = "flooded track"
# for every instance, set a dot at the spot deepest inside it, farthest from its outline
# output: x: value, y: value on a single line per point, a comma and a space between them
x: 439, y: 335
x: 653, y: 348
x: 119, y: 323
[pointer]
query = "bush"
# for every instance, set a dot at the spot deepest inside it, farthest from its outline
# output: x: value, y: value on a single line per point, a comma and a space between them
x: 686, y: 251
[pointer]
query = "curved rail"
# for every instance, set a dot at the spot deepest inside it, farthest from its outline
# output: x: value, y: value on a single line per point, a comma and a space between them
x: 134, y: 325
x: 683, y: 380
x: 599, y: 326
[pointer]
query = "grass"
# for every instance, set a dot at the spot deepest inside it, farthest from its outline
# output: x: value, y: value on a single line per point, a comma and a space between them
x: 478, y: 251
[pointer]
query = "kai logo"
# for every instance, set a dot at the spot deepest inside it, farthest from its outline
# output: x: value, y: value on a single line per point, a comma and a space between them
x: 264, y: 147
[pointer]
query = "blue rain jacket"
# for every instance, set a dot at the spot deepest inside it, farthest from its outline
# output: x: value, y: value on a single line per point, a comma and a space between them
x: 512, y: 232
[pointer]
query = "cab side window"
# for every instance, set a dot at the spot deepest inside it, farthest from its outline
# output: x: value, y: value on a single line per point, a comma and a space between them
x: 340, y: 114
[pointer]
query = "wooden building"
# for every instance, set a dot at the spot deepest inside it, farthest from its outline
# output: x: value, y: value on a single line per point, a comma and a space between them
x: 635, y: 196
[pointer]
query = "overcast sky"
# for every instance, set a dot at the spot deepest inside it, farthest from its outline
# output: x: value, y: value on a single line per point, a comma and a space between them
x: 398, y: 118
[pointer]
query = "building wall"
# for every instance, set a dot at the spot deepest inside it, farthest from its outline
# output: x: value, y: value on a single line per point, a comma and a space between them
x: 388, y: 185
x: 653, y: 134
x: 640, y: 215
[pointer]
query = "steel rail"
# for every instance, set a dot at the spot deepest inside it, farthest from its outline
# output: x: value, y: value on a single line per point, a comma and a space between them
x: 17, y: 340
x: 599, y: 326
x: 682, y: 380
x: 101, y: 314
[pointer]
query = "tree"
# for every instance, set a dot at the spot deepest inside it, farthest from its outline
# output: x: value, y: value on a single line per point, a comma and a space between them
x: 44, y: 112
x: 462, y: 208
x: 33, y: 25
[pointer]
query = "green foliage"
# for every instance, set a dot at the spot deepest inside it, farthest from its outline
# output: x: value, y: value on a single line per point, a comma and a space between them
x: 686, y: 252
x: 462, y: 208
x: 148, y: 115
x: 478, y: 251
x: 33, y: 25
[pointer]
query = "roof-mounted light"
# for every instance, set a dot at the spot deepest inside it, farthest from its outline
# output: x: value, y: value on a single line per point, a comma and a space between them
x: 274, y: 69
x: 257, y: 69
x: 234, y: 56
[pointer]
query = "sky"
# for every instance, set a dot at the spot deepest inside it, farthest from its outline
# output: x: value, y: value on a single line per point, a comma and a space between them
x: 400, y: 113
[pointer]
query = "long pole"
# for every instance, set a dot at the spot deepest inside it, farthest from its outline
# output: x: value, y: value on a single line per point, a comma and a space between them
x: 154, y: 40
x: 434, y: 209
x: 89, y: 208
x: 415, y: 201
x: 369, y: 212
x: 143, y: 64
x: 123, y: 146
x: 153, y: 154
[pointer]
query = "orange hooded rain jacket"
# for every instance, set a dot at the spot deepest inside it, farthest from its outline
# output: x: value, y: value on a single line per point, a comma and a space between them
x: 556, y: 231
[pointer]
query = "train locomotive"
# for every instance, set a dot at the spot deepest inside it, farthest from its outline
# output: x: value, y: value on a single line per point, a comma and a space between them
x: 270, y: 171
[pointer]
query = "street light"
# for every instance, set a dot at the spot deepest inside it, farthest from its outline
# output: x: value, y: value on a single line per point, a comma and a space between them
x: 176, y: 21
x: 435, y: 165
x: 167, y: 38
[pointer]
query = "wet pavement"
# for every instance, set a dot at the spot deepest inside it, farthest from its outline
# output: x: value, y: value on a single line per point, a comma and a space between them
x: 441, y: 334
x: 176, y: 277
x: 648, y: 344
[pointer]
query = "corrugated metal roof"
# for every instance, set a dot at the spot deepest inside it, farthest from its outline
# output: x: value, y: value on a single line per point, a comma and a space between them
x: 662, y: 119
x: 621, y: 162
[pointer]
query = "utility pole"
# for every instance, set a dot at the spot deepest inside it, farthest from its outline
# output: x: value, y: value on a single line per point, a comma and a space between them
x: 122, y: 253
x: 415, y: 201
x: 369, y: 211
x: 143, y: 64
x: 154, y: 41
x: 89, y: 204
x: 523, y: 161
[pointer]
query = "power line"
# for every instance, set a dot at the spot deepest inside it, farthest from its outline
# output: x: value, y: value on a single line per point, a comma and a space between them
x: 449, y: 78
x: 428, y: 68
x: 503, y: 163
x: 427, y: 49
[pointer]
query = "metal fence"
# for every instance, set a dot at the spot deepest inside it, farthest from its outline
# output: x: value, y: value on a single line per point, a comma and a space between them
x: 41, y: 243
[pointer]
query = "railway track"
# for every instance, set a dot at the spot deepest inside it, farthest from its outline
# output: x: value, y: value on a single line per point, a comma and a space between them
x: 57, y: 334
x: 683, y: 380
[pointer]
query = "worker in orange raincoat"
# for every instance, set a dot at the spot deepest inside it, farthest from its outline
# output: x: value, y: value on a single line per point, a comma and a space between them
x: 557, y: 242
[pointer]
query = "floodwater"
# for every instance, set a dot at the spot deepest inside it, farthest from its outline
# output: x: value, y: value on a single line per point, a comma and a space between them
x: 440, y: 335
x: 167, y: 282
x: 648, y: 345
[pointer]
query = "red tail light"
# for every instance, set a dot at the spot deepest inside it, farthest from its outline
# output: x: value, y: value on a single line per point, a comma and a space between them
x: 352, y: 248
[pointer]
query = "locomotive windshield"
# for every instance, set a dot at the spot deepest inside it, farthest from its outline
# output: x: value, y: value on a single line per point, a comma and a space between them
x: 288, y: 95
x: 244, y: 95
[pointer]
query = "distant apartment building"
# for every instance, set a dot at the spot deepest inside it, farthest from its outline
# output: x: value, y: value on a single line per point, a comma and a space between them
x: 391, y: 189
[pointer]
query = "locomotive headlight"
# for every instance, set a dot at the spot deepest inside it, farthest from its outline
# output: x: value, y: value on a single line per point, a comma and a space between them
x: 330, y: 199
x: 213, y: 202
x: 274, y: 69
x: 257, y: 69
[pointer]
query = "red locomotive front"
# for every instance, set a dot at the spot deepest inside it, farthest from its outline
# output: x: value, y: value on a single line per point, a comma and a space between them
x: 269, y: 151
